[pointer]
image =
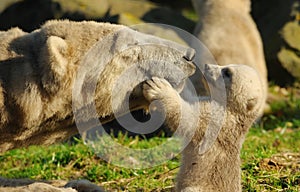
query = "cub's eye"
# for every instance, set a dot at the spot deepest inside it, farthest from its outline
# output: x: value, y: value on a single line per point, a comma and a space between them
x: 226, y: 73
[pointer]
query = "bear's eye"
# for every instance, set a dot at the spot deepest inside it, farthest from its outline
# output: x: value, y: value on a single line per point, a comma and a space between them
x: 226, y: 73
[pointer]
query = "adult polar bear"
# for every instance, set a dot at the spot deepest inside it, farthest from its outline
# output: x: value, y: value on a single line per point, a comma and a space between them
x: 38, y: 70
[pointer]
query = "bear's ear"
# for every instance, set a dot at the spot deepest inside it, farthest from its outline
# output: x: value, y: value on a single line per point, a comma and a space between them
x: 57, y: 49
x: 251, y: 103
x: 55, y: 62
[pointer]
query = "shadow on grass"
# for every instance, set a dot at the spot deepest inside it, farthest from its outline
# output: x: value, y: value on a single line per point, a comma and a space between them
x: 285, y: 114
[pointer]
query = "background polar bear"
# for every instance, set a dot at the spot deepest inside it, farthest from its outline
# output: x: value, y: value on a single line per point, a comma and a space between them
x: 218, y: 169
x: 227, y: 29
x: 38, y: 70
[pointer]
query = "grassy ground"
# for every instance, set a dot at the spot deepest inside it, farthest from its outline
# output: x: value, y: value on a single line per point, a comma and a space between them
x: 270, y: 157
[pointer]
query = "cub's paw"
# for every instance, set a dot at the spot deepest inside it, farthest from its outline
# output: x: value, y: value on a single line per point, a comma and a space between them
x: 157, y: 89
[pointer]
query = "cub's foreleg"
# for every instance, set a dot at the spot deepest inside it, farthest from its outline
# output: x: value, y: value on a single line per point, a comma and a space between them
x: 180, y: 115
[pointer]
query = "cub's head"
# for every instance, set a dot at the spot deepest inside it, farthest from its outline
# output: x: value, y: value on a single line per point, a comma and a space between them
x: 243, y: 86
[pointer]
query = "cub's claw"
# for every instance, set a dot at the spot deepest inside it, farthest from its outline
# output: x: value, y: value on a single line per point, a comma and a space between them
x: 156, y: 89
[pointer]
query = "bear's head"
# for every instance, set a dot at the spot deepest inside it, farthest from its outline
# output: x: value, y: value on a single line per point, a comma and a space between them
x: 122, y: 61
x: 142, y: 57
x: 242, y: 84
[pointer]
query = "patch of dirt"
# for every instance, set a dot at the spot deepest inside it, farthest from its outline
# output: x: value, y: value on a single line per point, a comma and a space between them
x: 281, y: 161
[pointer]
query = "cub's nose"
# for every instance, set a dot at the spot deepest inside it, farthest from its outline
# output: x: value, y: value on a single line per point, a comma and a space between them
x: 189, y: 54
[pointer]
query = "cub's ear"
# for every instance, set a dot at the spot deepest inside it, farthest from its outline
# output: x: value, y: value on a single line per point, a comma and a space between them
x: 54, y: 63
x: 251, y: 103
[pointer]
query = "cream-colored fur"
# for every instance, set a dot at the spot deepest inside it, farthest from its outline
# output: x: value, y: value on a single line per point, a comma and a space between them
x: 227, y: 29
x: 38, y: 70
x: 217, y: 169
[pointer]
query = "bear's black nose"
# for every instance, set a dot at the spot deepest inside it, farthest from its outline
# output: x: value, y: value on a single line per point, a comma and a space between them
x: 189, y: 54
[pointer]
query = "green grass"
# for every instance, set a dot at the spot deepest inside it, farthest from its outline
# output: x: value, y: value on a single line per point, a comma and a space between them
x: 270, y: 159
x: 77, y: 161
x: 264, y: 165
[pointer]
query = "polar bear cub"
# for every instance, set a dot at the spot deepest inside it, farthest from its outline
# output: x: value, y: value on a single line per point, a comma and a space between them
x: 218, y: 168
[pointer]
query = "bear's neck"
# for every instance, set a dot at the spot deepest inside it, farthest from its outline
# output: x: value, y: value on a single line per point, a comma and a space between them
x: 215, y: 170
